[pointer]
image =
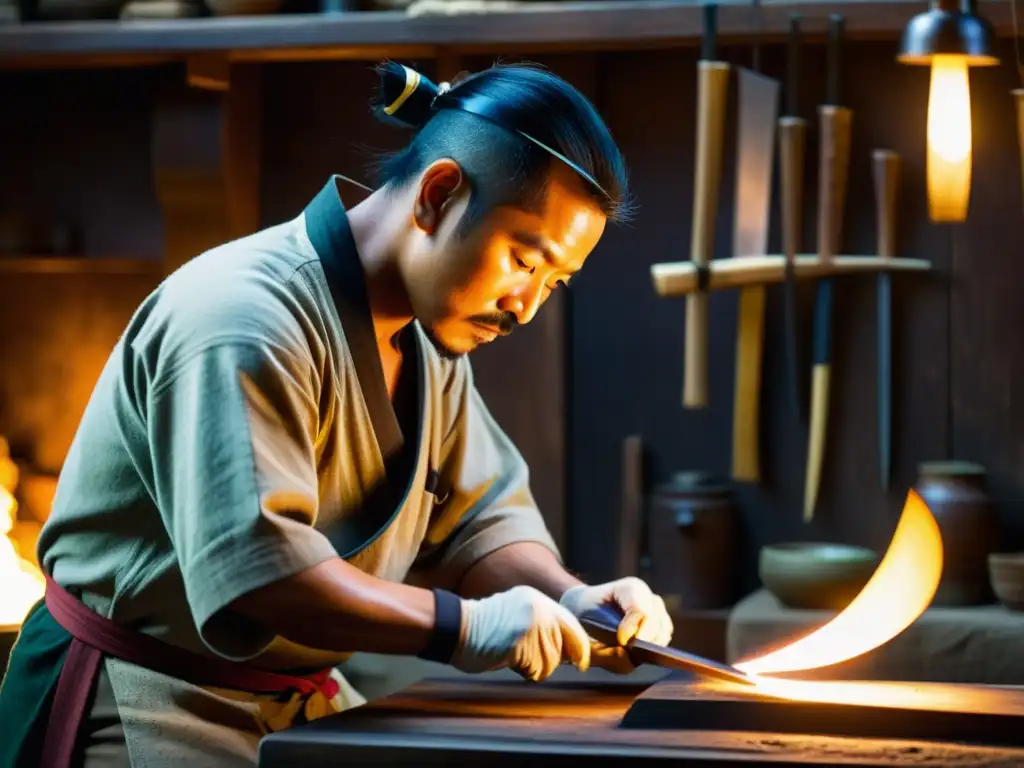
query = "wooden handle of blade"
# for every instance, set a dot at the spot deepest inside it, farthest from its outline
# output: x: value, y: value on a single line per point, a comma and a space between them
x: 792, y: 140
x: 746, y: 417
x: 816, y: 448
x: 836, y: 124
x: 712, y: 89
x: 886, y: 172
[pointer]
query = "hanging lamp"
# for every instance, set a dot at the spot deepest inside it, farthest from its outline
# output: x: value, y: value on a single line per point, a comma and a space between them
x: 949, y: 37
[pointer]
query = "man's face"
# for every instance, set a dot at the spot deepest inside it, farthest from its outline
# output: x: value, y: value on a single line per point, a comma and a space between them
x: 468, y: 288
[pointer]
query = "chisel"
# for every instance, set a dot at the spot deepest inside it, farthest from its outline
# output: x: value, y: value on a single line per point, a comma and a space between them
x: 792, y: 143
x: 835, y: 122
x: 755, y: 155
x: 712, y: 89
x: 886, y: 172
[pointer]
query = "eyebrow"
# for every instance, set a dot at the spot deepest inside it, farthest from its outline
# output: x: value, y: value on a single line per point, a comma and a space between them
x: 531, y: 240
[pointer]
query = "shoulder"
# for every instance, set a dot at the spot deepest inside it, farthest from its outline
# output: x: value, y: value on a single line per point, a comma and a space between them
x: 245, y: 295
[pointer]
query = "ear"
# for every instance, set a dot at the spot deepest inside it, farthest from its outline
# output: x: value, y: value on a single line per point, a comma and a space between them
x: 439, y: 186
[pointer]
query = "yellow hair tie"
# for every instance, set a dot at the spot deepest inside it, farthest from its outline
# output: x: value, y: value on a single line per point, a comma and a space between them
x: 412, y: 82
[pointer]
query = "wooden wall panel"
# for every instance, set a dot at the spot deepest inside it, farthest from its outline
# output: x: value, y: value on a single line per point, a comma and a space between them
x: 317, y: 121
x: 628, y: 344
x: 74, y: 147
x: 206, y: 159
x: 987, y: 303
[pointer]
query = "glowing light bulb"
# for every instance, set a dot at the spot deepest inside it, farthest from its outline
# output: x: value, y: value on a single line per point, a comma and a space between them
x: 949, y: 139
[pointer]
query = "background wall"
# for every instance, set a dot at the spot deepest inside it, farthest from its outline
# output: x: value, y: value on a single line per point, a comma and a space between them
x: 954, y: 356
x: 605, y: 360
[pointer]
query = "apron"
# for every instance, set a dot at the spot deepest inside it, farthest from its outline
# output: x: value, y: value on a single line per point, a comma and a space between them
x: 56, y: 660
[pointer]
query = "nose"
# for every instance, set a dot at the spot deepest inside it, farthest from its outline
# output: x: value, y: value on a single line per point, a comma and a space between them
x: 524, y: 302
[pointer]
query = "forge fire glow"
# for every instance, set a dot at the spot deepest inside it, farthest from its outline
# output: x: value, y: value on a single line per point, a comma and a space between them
x: 22, y: 583
x: 899, y: 591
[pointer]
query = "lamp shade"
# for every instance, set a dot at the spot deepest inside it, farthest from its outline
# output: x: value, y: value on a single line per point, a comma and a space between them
x: 948, y: 29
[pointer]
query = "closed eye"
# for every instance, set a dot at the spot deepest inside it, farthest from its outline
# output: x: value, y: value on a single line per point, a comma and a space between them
x: 522, y: 264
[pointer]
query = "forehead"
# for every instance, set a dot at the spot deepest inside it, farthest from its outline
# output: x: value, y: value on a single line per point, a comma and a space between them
x: 567, y: 221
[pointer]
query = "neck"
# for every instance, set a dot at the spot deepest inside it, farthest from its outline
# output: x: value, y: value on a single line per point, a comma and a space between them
x: 378, y: 237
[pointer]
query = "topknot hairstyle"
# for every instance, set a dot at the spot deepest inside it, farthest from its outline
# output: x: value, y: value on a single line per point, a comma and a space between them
x: 505, y: 126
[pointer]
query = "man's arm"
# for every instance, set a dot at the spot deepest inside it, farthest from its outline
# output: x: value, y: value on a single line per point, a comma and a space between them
x: 524, y: 562
x: 336, y: 607
x: 233, y: 426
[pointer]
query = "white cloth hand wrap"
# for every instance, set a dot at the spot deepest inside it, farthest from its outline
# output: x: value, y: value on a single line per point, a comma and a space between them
x: 522, y: 629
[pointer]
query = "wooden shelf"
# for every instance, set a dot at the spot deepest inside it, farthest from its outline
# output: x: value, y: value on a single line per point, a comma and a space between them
x: 71, y: 265
x: 537, y: 26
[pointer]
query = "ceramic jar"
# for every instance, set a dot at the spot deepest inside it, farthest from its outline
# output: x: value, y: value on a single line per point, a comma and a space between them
x: 956, y: 494
x: 692, y: 530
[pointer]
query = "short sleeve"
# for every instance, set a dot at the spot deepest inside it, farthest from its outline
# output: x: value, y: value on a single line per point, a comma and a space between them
x: 232, y: 436
x: 489, y: 504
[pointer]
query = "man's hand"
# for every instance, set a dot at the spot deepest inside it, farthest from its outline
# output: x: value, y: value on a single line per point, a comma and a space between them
x: 522, y: 629
x: 645, y: 617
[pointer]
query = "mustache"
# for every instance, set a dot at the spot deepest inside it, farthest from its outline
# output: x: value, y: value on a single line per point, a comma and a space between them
x: 503, y: 322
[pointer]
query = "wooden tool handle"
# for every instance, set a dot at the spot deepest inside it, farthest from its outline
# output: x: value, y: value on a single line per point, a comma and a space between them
x: 712, y: 89
x: 746, y: 417
x: 822, y: 360
x: 886, y: 171
x: 792, y: 140
x: 836, y: 124
x: 820, y: 384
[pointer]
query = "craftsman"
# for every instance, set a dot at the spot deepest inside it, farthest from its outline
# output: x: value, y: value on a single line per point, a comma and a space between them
x: 285, y: 460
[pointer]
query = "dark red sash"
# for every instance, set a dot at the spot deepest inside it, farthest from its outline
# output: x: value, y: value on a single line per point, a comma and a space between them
x: 96, y: 636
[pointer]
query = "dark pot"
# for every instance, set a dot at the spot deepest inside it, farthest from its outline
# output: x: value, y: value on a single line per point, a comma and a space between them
x: 692, y: 529
x: 968, y: 519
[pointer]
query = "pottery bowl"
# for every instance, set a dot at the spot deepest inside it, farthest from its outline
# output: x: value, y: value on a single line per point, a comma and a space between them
x: 816, y: 575
x: 1006, y: 573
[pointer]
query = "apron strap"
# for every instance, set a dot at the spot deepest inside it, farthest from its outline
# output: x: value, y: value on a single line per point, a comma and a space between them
x: 96, y: 636
x: 70, y: 700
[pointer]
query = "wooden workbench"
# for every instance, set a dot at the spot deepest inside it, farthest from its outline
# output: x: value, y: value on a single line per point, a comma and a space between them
x: 492, y: 724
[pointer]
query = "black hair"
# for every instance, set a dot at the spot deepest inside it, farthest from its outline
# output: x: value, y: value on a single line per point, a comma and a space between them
x: 504, y: 126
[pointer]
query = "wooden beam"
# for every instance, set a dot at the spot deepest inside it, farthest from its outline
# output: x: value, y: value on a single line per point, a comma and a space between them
x: 206, y: 154
x: 535, y: 27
